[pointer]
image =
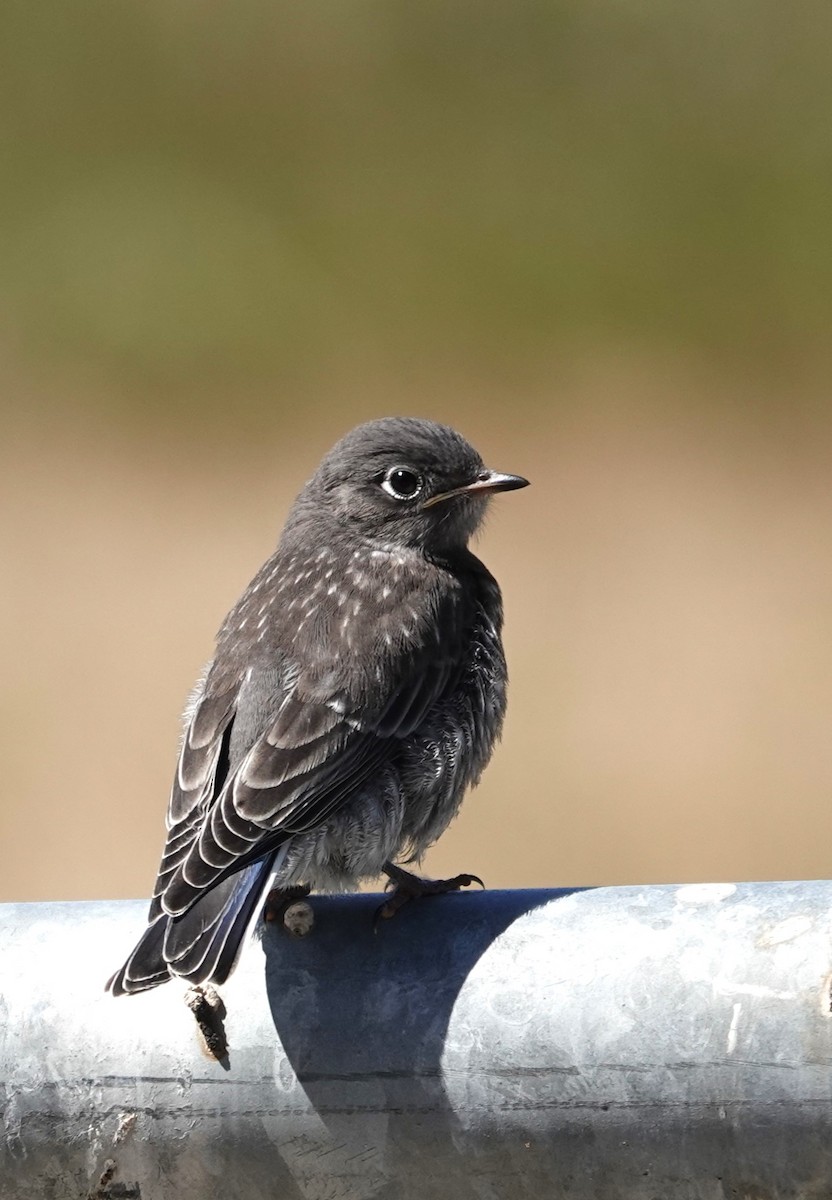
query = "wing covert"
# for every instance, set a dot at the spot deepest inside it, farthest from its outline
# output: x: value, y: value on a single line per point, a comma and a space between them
x: 320, y: 745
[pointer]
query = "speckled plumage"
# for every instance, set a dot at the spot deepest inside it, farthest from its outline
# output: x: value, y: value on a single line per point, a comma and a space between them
x: 357, y: 691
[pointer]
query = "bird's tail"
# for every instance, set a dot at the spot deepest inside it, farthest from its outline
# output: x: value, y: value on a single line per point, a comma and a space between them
x: 202, y: 944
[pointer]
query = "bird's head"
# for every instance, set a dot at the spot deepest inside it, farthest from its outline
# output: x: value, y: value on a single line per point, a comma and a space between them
x: 406, y: 482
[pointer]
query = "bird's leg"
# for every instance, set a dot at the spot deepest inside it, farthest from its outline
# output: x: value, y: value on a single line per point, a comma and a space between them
x: 407, y: 886
x: 287, y: 906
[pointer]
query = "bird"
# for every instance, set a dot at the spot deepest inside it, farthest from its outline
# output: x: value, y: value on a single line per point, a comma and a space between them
x: 357, y: 691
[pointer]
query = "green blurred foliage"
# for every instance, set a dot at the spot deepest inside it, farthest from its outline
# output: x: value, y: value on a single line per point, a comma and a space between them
x: 208, y: 194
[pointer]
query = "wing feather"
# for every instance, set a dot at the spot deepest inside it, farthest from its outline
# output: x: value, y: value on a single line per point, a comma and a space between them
x: 270, y: 754
x: 316, y: 751
x: 200, y: 754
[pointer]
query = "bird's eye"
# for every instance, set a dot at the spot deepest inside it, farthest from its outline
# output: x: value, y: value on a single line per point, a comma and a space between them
x: 402, y: 483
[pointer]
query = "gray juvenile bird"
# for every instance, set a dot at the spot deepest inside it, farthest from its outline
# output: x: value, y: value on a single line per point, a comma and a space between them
x: 357, y: 690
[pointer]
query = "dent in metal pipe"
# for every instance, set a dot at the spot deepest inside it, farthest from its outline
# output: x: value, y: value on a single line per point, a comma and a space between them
x: 636, y: 1043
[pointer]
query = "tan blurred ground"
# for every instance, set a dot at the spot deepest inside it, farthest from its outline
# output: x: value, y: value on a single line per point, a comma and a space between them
x: 595, y: 237
x: 668, y: 585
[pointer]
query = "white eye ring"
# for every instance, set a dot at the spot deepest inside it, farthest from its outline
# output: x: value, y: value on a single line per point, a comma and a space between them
x: 402, y: 483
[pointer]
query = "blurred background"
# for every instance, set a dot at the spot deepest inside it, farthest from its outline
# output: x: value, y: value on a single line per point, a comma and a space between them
x: 594, y: 236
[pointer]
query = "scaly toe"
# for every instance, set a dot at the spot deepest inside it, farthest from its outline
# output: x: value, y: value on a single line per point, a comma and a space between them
x: 407, y: 886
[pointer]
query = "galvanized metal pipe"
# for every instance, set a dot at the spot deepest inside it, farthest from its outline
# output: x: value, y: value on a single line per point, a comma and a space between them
x: 638, y: 1043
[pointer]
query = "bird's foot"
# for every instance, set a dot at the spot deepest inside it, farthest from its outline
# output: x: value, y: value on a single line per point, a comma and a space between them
x: 407, y: 886
x: 289, y: 907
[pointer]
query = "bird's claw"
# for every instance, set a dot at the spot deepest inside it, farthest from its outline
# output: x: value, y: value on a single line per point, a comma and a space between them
x: 406, y: 886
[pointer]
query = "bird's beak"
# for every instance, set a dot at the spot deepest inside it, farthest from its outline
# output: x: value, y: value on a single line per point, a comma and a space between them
x: 485, y: 483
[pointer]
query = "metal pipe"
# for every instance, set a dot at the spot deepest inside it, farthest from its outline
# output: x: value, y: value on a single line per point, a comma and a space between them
x: 636, y: 1043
